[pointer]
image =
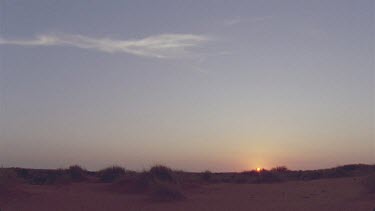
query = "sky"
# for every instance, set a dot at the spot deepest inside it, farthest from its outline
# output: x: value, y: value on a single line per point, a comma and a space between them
x: 194, y: 85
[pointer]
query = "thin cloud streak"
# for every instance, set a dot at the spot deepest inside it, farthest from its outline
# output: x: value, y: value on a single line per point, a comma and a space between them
x: 239, y: 20
x: 159, y: 46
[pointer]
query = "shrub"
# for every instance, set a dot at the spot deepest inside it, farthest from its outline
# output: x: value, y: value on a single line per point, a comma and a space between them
x: 47, y: 177
x: 159, y: 182
x: 23, y: 173
x: 77, y: 173
x: 7, y: 180
x: 241, y: 179
x: 311, y: 175
x: 350, y: 167
x: 336, y: 173
x: 267, y: 177
x: 111, y: 173
x: 162, y: 173
x: 206, y: 176
x: 280, y: 169
x: 7, y: 177
x: 39, y: 178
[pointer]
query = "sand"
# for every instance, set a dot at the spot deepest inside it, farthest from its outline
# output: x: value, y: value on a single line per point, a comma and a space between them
x: 325, y: 194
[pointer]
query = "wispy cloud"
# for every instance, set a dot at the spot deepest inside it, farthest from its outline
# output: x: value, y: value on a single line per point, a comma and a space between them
x: 159, y: 46
x: 233, y: 21
x: 238, y: 20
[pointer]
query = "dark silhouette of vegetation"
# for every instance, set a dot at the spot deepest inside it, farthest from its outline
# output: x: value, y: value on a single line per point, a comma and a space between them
x: 158, y: 175
x: 241, y: 178
x: 207, y: 176
x: 77, y: 173
x: 280, y: 169
x: 162, y: 173
x: 111, y: 174
x: 43, y: 177
x: 267, y: 177
x: 160, y: 183
x: 23, y: 173
x: 74, y: 173
x: 7, y: 177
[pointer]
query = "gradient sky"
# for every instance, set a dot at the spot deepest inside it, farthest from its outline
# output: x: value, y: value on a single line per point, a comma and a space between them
x: 195, y: 85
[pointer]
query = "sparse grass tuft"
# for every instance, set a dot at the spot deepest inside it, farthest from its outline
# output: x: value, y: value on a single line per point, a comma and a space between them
x: 267, y: 177
x: 337, y: 173
x: 280, y: 169
x: 162, y: 174
x: 241, y: 178
x: 22, y: 173
x: 111, y: 174
x: 311, y: 175
x: 7, y: 177
x: 77, y: 173
x: 206, y: 176
x: 159, y: 183
x: 350, y: 167
x: 46, y: 177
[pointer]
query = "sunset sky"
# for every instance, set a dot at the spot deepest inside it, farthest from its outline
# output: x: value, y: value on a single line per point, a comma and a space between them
x: 195, y: 85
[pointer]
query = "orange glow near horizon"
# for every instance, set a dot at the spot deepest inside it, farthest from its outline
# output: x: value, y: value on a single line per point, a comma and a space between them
x: 258, y: 169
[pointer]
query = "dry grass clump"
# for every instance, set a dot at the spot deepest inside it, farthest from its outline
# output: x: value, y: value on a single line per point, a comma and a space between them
x: 162, y: 174
x: 241, y: 178
x: 7, y: 177
x: 351, y: 167
x: 267, y: 177
x: 74, y: 173
x: 8, y: 181
x: 159, y: 183
x: 336, y: 173
x: 45, y: 177
x: 111, y: 174
x: 22, y: 173
x: 206, y: 176
x: 162, y: 183
x: 280, y: 169
x: 39, y: 178
x: 77, y: 173
x: 311, y: 175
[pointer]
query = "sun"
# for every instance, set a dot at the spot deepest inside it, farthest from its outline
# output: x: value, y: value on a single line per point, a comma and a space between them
x: 258, y: 169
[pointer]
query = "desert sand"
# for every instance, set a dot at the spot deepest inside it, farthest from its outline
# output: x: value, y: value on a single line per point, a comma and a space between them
x: 322, y: 194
